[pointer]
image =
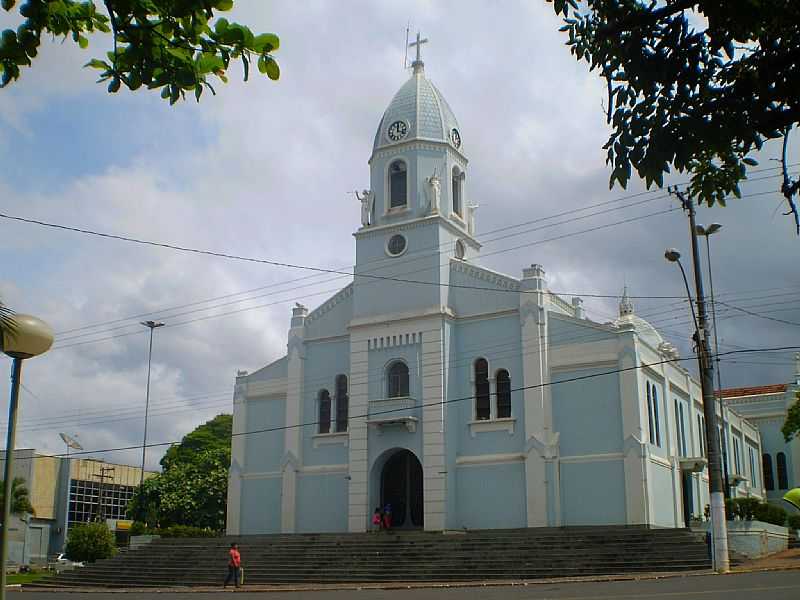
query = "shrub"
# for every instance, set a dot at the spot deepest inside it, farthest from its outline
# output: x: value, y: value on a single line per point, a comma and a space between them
x: 139, y: 528
x: 770, y: 514
x: 184, y: 531
x: 794, y: 521
x: 90, y: 542
x: 731, y: 509
x: 747, y: 508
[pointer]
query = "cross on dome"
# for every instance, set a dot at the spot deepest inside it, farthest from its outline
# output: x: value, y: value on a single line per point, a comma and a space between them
x: 418, y: 64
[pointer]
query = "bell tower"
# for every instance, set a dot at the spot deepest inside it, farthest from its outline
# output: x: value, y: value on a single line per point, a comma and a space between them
x: 417, y: 215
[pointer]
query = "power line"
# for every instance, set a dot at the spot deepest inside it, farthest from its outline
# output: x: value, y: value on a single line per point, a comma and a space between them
x: 437, y: 403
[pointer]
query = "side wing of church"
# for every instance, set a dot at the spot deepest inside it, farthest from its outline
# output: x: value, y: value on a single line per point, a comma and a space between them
x: 458, y: 396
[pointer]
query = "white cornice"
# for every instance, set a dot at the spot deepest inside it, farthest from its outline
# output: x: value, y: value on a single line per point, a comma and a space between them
x: 418, y: 143
x: 381, y: 320
x: 379, y: 230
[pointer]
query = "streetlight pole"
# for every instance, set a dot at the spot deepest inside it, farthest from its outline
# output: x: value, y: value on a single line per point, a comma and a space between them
x: 152, y: 325
x: 708, y: 232
x: 27, y: 337
x: 719, y: 533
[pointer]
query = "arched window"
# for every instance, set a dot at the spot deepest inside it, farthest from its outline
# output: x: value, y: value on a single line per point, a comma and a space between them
x: 398, y: 380
x: 783, y: 481
x: 457, y: 191
x: 398, y: 184
x: 503, y: 382
x: 482, y: 409
x: 769, y: 480
x: 652, y: 429
x: 342, y: 401
x: 656, y: 418
x: 324, y: 400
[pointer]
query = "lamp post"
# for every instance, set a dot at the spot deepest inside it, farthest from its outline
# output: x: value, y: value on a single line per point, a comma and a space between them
x: 719, y: 529
x: 26, y: 338
x: 707, y: 232
x: 152, y: 325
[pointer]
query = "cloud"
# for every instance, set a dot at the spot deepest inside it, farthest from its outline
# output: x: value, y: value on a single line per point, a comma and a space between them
x: 265, y: 169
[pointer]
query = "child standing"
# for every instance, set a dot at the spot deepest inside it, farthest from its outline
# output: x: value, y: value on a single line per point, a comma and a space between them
x: 377, y: 518
x: 387, y: 517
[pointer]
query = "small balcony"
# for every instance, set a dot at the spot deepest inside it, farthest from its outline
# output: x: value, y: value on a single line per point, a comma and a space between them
x: 393, y: 412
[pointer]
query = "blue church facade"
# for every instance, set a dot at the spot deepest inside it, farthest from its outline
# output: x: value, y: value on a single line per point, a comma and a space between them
x: 463, y: 397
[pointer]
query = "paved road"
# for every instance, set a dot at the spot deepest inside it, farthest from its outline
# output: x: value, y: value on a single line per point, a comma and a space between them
x: 778, y: 585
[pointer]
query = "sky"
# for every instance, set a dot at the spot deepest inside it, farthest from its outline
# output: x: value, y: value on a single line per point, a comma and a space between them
x: 265, y: 169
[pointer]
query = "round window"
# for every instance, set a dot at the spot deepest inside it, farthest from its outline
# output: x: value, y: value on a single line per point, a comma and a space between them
x: 396, y: 245
x: 461, y: 250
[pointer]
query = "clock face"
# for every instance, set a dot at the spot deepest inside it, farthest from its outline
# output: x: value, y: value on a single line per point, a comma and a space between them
x: 455, y: 137
x: 397, y: 131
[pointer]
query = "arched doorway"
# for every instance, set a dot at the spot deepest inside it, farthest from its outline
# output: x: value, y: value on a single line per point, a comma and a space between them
x: 401, y: 486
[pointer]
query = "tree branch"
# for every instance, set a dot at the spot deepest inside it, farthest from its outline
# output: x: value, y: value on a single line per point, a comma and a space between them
x: 789, y: 187
x: 647, y: 17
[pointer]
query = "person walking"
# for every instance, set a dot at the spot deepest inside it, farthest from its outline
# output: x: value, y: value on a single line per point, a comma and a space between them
x: 234, y: 565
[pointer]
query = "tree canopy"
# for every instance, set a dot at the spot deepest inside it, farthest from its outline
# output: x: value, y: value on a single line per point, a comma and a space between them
x: 20, y: 499
x: 791, y: 426
x: 693, y: 86
x: 167, y: 45
x: 192, y: 489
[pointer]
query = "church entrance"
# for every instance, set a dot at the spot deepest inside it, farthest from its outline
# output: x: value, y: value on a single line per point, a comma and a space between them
x: 401, y: 487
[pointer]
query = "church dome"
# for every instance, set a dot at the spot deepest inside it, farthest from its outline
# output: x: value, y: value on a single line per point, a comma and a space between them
x: 646, y: 332
x: 418, y: 111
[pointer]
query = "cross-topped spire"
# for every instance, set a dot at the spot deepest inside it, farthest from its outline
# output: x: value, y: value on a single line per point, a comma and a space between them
x: 418, y: 64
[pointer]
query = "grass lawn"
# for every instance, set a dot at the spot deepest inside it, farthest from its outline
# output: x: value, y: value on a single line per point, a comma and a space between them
x: 27, y: 577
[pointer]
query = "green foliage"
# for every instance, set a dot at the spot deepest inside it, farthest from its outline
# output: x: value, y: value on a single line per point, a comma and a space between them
x: 195, y: 493
x: 213, y: 435
x: 769, y: 513
x: 20, y: 500
x: 145, y: 505
x: 791, y: 426
x: 687, y: 98
x: 138, y: 528
x: 173, y: 531
x: 170, y: 46
x: 793, y: 521
x: 192, y: 489
x: 753, y: 509
x: 90, y: 542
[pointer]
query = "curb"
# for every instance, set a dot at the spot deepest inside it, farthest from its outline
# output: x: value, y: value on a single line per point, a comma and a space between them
x: 389, y: 586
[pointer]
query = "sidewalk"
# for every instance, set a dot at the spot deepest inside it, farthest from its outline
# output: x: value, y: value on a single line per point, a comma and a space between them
x: 787, y: 560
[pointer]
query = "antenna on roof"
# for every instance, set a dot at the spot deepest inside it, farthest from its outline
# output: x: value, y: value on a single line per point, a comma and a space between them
x: 405, y: 56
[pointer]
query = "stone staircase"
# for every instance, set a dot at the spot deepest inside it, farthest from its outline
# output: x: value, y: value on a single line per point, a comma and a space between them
x: 414, y: 556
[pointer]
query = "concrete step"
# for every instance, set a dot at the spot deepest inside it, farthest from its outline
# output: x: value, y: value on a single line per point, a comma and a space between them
x: 400, y: 556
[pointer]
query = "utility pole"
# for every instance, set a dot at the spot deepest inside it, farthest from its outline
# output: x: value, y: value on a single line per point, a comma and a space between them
x: 102, y: 477
x: 719, y: 529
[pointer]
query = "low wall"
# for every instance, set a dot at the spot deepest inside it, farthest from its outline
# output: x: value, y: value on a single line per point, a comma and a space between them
x: 753, y: 539
x: 137, y: 541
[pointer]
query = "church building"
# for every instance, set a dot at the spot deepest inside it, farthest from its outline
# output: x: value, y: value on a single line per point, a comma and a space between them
x: 462, y: 397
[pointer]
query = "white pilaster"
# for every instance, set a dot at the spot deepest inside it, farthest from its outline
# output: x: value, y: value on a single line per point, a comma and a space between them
x: 433, y: 424
x: 541, y: 440
x: 358, y: 491
x: 633, y: 431
x: 238, y: 441
x: 293, y: 435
